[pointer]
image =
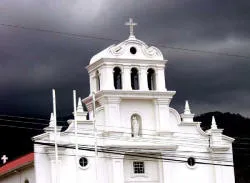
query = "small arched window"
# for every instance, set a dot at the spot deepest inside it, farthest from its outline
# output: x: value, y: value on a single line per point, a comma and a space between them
x: 134, y: 79
x: 117, y: 75
x: 97, y: 78
x: 26, y: 181
x: 151, y: 79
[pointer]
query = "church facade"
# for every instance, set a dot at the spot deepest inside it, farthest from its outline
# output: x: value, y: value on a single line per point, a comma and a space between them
x: 132, y: 134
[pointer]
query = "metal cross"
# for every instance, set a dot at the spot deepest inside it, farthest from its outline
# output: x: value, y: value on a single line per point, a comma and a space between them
x: 4, y: 158
x: 131, y: 25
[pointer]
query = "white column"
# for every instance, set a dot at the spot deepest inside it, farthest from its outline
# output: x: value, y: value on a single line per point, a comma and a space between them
x: 108, y: 78
x: 160, y: 79
x: 126, y: 80
x: 103, y: 79
x: 118, y: 172
x: 143, y: 78
x: 92, y: 82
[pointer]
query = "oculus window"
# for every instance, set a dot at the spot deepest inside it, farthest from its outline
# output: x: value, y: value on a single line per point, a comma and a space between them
x: 83, y: 162
x: 191, y: 161
x: 133, y: 50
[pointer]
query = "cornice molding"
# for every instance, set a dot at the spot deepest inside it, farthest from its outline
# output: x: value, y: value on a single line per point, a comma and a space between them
x: 51, y: 152
x: 126, y: 62
x: 219, y: 148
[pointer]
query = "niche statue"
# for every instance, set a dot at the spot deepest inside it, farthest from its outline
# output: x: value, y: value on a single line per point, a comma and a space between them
x: 135, y: 126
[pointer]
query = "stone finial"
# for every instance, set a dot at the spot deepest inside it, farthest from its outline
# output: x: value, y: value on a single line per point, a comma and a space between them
x: 80, y: 115
x: 79, y: 106
x: 213, y: 125
x: 187, y: 116
x: 187, y: 108
x: 52, y: 124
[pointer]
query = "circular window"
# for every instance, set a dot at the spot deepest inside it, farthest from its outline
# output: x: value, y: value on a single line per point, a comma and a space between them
x: 83, y: 162
x: 191, y: 161
x: 133, y: 50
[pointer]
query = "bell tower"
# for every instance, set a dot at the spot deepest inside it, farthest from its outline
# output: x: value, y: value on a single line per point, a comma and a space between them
x: 129, y: 80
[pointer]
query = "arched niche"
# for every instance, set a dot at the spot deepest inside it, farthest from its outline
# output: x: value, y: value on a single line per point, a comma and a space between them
x: 136, y: 125
x: 134, y: 79
x: 117, y: 75
x: 151, y: 79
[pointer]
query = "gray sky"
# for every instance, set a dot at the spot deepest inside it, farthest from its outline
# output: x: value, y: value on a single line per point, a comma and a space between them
x: 33, y: 62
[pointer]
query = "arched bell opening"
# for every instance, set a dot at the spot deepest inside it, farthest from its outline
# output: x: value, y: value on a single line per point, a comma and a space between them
x: 97, y: 78
x: 134, y: 79
x: 151, y: 79
x: 117, y: 75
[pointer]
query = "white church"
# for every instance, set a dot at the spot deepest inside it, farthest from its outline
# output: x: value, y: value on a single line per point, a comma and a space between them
x: 131, y: 134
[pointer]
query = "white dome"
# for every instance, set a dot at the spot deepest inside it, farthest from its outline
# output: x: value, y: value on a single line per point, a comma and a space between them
x: 131, y: 48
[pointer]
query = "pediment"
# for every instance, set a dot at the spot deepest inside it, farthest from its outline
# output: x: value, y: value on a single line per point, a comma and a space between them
x: 129, y: 49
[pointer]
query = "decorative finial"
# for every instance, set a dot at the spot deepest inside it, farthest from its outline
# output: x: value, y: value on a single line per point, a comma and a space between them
x: 131, y: 25
x: 4, y: 159
x: 187, y: 108
x: 79, y: 105
x: 213, y: 125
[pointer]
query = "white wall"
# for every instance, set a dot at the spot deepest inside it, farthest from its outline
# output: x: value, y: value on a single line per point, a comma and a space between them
x: 144, y: 108
x: 20, y: 176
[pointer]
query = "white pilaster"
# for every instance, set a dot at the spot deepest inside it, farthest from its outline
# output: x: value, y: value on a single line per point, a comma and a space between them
x: 55, y: 167
x: 112, y: 113
x: 143, y: 79
x: 92, y: 81
x: 108, y: 78
x: 167, y: 171
x: 162, y: 111
x: 118, y: 172
x: 160, y: 79
x: 126, y: 82
x: 217, y: 173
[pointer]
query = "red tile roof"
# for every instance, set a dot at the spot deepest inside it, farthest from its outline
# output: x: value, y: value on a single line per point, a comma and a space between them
x: 17, y: 163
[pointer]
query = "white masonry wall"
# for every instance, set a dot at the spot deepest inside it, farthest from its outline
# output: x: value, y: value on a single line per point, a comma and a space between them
x: 20, y: 176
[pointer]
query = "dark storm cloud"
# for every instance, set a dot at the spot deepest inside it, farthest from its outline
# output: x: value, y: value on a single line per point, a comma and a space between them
x: 34, y: 62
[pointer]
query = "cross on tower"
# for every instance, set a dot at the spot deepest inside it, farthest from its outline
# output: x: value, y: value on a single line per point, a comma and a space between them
x: 4, y: 158
x: 131, y: 25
